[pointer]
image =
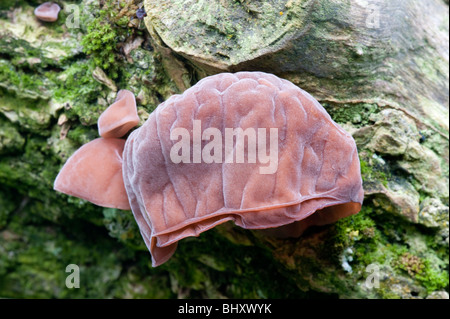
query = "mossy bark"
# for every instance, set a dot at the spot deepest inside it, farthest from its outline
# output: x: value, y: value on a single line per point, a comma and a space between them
x: 386, y: 83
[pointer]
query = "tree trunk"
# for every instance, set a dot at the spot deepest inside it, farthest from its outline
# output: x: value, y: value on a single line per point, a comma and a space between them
x: 379, y: 67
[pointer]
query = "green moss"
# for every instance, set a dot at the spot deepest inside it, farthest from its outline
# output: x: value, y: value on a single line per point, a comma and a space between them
x: 22, y: 54
x: 410, y: 263
x: 376, y: 237
x: 6, y: 4
x: 102, y: 36
x: 24, y: 85
x: 409, y: 250
x: 42, y: 231
x: 355, y: 231
x: 10, y: 138
x: 122, y: 226
x: 430, y: 276
x: 229, y: 31
x: 82, y: 134
x: 30, y: 114
x: 240, y: 271
x: 7, y: 206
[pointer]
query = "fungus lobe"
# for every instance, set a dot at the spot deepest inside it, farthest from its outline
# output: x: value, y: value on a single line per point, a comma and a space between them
x: 317, y: 180
x: 120, y: 117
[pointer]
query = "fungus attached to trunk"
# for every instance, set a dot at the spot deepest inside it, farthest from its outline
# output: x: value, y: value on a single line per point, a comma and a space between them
x: 94, y: 173
x: 48, y: 11
x: 313, y: 179
x: 119, y: 117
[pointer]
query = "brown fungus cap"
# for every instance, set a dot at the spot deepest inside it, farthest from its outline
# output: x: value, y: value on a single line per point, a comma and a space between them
x: 48, y: 11
x: 94, y: 173
x: 317, y: 180
x: 119, y: 117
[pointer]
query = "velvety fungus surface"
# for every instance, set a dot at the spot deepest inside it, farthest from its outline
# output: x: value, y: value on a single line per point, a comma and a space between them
x: 48, y: 12
x: 317, y: 178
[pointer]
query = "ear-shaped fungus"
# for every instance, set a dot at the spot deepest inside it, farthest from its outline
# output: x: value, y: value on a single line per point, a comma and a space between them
x: 317, y: 180
x: 119, y: 117
x: 94, y: 172
x: 48, y: 11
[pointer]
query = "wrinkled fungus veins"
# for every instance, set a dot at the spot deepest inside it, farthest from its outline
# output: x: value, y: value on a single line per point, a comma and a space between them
x: 318, y: 167
x: 316, y: 179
